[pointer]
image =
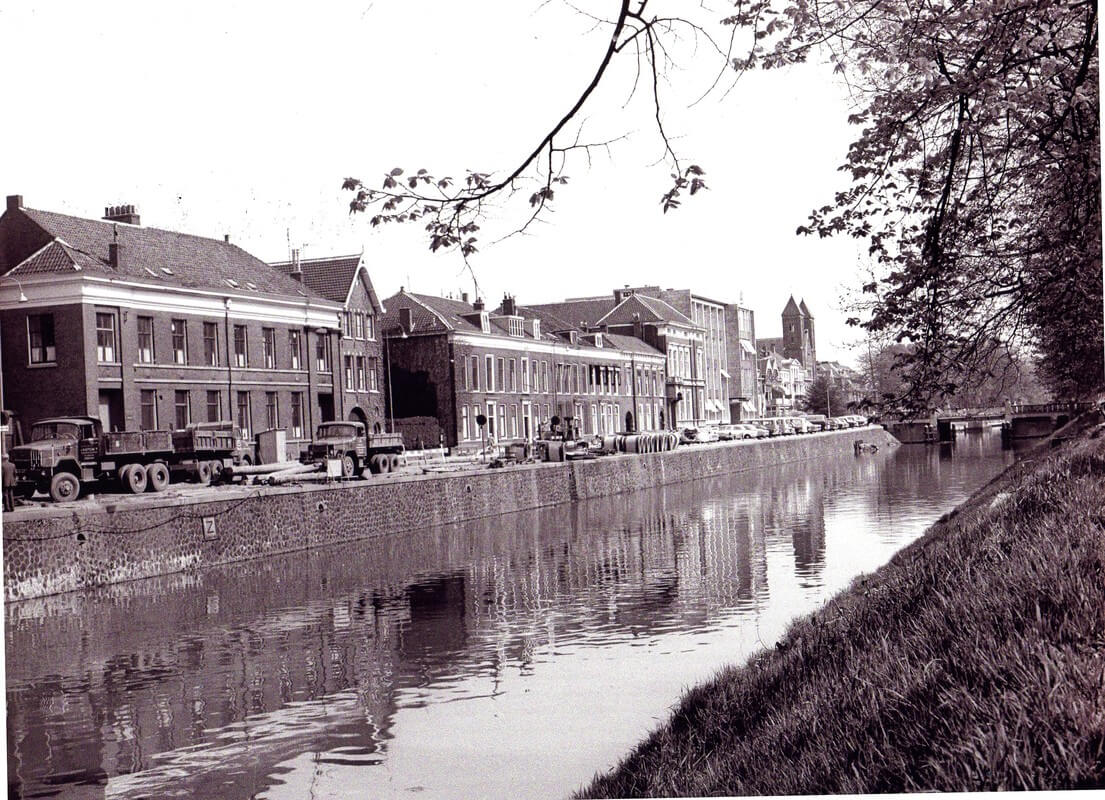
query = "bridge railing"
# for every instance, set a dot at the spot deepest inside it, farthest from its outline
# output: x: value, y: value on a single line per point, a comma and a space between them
x: 1061, y: 407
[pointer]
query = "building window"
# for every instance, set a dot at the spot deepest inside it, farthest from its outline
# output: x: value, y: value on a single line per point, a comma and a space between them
x: 475, y: 373
x: 272, y: 410
x: 41, y: 348
x: 465, y: 430
x: 525, y: 374
x: 179, y: 329
x: 105, y: 338
x: 241, y: 354
x: 373, y: 374
x: 347, y: 323
x: 489, y: 374
x: 294, y: 350
x: 348, y: 362
x: 359, y: 319
x: 500, y: 375
x: 501, y: 425
x: 268, y: 337
x: 322, y: 353
x: 243, y: 413
x: 370, y: 327
x: 211, y: 344
x: 145, y: 341
x: 148, y: 401
x: 297, y: 415
x: 362, y: 385
x: 545, y: 376
x: 513, y: 376
x: 214, y: 406
x: 515, y: 326
x: 467, y: 382
x: 182, y: 405
x: 514, y: 422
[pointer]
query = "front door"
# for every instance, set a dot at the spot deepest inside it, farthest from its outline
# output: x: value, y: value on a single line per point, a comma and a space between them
x: 111, y: 409
x: 526, y: 423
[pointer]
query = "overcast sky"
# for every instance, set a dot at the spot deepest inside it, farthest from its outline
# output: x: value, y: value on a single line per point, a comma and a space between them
x: 241, y: 119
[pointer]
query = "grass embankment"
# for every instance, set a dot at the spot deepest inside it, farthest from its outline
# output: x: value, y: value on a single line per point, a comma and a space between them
x: 974, y: 660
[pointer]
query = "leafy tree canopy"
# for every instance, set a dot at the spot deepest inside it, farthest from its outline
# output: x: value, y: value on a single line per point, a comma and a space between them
x: 974, y: 178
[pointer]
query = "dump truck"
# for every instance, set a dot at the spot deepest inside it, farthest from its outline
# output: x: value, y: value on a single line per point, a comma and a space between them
x: 358, y: 450
x: 66, y: 453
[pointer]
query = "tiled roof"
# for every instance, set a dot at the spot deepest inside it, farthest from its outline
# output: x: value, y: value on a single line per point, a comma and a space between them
x: 430, y: 314
x: 630, y: 344
x: 589, y: 312
x: 549, y: 321
x: 330, y: 277
x: 150, y: 255
x: 646, y: 309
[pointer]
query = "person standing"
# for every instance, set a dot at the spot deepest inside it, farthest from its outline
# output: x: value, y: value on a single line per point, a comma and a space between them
x: 9, y: 484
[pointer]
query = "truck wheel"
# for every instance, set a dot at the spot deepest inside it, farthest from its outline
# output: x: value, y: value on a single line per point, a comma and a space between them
x: 348, y: 466
x: 216, y: 471
x: 157, y: 476
x: 203, y: 472
x: 135, y: 478
x: 64, y: 486
x: 374, y: 464
x: 394, y: 462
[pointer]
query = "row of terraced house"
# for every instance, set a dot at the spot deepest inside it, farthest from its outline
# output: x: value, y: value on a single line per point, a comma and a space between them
x: 153, y: 329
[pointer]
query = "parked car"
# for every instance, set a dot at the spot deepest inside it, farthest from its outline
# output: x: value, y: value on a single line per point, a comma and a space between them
x: 819, y: 421
x: 729, y: 431
x: 800, y: 424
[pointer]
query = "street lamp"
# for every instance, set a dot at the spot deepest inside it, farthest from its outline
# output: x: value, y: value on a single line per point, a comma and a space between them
x: 22, y: 296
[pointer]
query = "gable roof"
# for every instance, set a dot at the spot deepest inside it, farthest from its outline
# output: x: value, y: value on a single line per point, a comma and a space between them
x: 149, y: 255
x: 646, y: 309
x: 791, y: 308
x: 431, y: 314
x: 574, y: 312
x: 333, y: 276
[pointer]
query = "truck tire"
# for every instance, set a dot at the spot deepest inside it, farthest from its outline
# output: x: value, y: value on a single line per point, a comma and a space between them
x: 64, y: 486
x: 216, y: 470
x: 157, y: 476
x: 134, y: 478
x: 395, y: 461
x: 348, y: 466
x: 203, y: 472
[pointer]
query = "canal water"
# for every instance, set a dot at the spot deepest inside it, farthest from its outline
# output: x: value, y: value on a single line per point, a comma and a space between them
x: 509, y: 657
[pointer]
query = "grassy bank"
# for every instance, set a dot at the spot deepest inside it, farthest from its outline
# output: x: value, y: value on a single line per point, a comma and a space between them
x: 974, y: 660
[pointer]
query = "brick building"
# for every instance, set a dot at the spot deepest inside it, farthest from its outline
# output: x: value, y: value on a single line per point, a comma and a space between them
x: 691, y: 325
x: 345, y: 280
x: 155, y: 329
x: 451, y: 361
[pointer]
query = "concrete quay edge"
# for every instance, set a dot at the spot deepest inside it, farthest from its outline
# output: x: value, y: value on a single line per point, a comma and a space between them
x: 120, y: 538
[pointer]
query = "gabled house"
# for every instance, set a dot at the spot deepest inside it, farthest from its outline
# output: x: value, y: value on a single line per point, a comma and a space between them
x: 453, y: 364
x: 155, y: 329
x: 360, y: 363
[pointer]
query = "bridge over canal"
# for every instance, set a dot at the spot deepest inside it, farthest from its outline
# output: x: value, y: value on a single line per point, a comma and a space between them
x: 1017, y: 420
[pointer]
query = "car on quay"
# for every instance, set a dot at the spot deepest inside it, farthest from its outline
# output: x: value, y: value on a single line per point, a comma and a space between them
x: 819, y: 421
x: 800, y: 424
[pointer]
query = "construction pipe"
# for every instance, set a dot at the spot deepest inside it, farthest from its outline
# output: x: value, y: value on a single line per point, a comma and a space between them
x: 263, y: 469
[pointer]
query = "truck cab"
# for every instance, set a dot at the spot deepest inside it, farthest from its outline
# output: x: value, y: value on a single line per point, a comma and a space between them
x: 356, y: 448
x: 58, y: 446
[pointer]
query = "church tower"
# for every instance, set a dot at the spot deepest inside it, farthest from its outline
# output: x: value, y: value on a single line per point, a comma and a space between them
x: 798, y: 337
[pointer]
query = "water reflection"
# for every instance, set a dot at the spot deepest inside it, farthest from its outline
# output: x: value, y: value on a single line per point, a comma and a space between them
x: 505, y: 657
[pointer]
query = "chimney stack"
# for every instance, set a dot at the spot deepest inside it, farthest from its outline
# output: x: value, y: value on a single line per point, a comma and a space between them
x: 297, y: 271
x: 125, y: 214
x: 509, y: 308
x: 478, y: 305
x: 406, y: 323
x: 226, y: 238
x: 15, y: 201
x: 114, y: 249
x: 638, y: 328
x: 464, y: 297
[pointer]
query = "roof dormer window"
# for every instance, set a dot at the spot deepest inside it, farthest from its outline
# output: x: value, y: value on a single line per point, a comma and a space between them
x: 537, y: 329
x: 485, y: 323
x: 516, y: 327
x: 598, y: 340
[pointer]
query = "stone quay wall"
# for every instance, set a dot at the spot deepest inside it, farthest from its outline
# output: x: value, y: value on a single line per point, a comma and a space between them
x: 73, y: 549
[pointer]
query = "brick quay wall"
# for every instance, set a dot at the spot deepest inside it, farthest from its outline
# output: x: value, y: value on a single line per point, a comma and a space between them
x: 63, y: 550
